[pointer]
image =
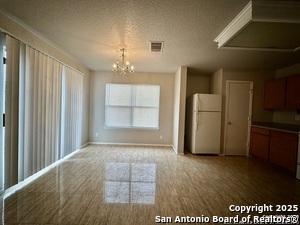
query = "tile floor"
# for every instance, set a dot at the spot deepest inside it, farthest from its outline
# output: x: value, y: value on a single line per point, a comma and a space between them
x: 133, y: 185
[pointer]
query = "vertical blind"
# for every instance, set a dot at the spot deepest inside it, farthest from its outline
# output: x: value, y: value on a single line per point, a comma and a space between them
x: 132, y: 106
x: 2, y: 88
x: 71, y: 111
x: 45, y: 104
x: 41, y: 112
x: 13, y: 49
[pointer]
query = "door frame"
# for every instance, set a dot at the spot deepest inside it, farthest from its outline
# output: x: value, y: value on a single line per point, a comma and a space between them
x: 228, y: 82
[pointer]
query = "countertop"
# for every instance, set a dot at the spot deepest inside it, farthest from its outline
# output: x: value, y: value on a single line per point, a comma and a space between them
x: 278, y: 126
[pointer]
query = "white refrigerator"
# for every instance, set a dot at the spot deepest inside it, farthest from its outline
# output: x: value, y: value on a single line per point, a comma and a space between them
x: 203, y: 127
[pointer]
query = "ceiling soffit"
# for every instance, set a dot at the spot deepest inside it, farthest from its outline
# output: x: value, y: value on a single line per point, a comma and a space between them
x: 264, y: 25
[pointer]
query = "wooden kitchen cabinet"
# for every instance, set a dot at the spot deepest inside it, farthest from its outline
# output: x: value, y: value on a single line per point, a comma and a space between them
x: 259, y: 145
x: 277, y: 147
x: 283, y: 149
x: 274, y: 93
x: 293, y: 92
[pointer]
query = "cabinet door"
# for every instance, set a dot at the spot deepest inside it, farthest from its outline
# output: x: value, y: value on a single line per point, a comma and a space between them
x: 274, y: 93
x: 293, y: 92
x: 283, y: 150
x: 259, y: 145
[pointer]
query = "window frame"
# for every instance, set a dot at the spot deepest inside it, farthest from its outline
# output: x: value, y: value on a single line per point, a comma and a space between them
x: 131, y: 107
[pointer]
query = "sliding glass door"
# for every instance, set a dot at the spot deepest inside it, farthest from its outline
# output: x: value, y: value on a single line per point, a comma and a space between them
x: 2, y: 107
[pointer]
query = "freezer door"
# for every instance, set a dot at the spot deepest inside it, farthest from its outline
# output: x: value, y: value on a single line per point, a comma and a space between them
x: 298, y: 171
x: 208, y: 133
x: 209, y: 102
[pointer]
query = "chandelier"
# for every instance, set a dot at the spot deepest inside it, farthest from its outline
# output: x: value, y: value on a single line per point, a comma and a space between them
x: 122, y: 68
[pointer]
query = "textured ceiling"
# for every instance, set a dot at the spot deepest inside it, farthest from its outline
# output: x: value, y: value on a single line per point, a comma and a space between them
x: 93, y: 31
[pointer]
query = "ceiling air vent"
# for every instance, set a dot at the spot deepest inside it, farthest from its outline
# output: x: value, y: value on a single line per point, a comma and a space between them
x: 156, y: 46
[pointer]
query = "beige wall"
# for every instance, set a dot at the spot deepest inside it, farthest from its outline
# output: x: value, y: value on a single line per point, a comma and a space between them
x: 216, y: 82
x: 128, y: 136
x: 197, y: 84
x: 179, y: 110
x: 30, y: 37
x: 286, y: 116
x: 288, y: 71
x: 85, y: 109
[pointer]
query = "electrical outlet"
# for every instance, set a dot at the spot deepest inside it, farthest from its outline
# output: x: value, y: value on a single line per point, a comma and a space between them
x: 160, y: 137
x: 297, y: 117
x: 96, y: 134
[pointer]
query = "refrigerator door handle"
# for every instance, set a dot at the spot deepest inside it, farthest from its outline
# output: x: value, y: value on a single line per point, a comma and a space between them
x: 197, y: 115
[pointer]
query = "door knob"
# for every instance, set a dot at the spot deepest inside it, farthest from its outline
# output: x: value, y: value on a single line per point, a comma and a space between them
x: 229, y: 123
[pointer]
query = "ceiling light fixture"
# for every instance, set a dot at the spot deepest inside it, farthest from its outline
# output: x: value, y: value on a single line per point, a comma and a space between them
x: 123, y: 68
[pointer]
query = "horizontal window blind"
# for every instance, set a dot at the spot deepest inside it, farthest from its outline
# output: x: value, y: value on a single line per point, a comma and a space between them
x: 132, y: 106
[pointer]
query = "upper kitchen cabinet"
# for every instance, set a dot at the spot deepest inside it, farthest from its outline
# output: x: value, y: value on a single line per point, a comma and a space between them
x: 274, y: 93
x: 293, y: 92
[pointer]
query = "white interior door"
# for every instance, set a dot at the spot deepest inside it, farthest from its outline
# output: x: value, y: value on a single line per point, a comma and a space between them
x: 238, y: 117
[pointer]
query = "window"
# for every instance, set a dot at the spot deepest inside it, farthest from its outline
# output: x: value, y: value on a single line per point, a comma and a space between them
x: 132, y: 106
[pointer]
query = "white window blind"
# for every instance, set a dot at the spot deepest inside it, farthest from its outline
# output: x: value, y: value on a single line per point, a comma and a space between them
x: 132, y: 106
x: 43, y: 107
x: 71, y: 112
x: 39, y: 112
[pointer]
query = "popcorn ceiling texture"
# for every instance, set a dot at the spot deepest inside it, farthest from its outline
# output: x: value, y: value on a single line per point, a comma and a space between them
x: 93, y: 31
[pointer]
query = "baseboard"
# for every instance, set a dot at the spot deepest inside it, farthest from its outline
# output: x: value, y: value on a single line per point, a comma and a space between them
x: 177, y: 153
x: 128, y: 144
x: 84, y: 145
x: 11, y: 190
x: 174, y: 149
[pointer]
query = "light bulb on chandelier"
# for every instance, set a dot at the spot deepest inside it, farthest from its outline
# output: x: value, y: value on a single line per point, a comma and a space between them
x: 123, y: 68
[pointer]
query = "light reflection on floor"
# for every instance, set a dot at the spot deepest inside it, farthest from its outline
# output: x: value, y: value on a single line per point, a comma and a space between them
x: 109, y: 184
x: 130, y: 183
